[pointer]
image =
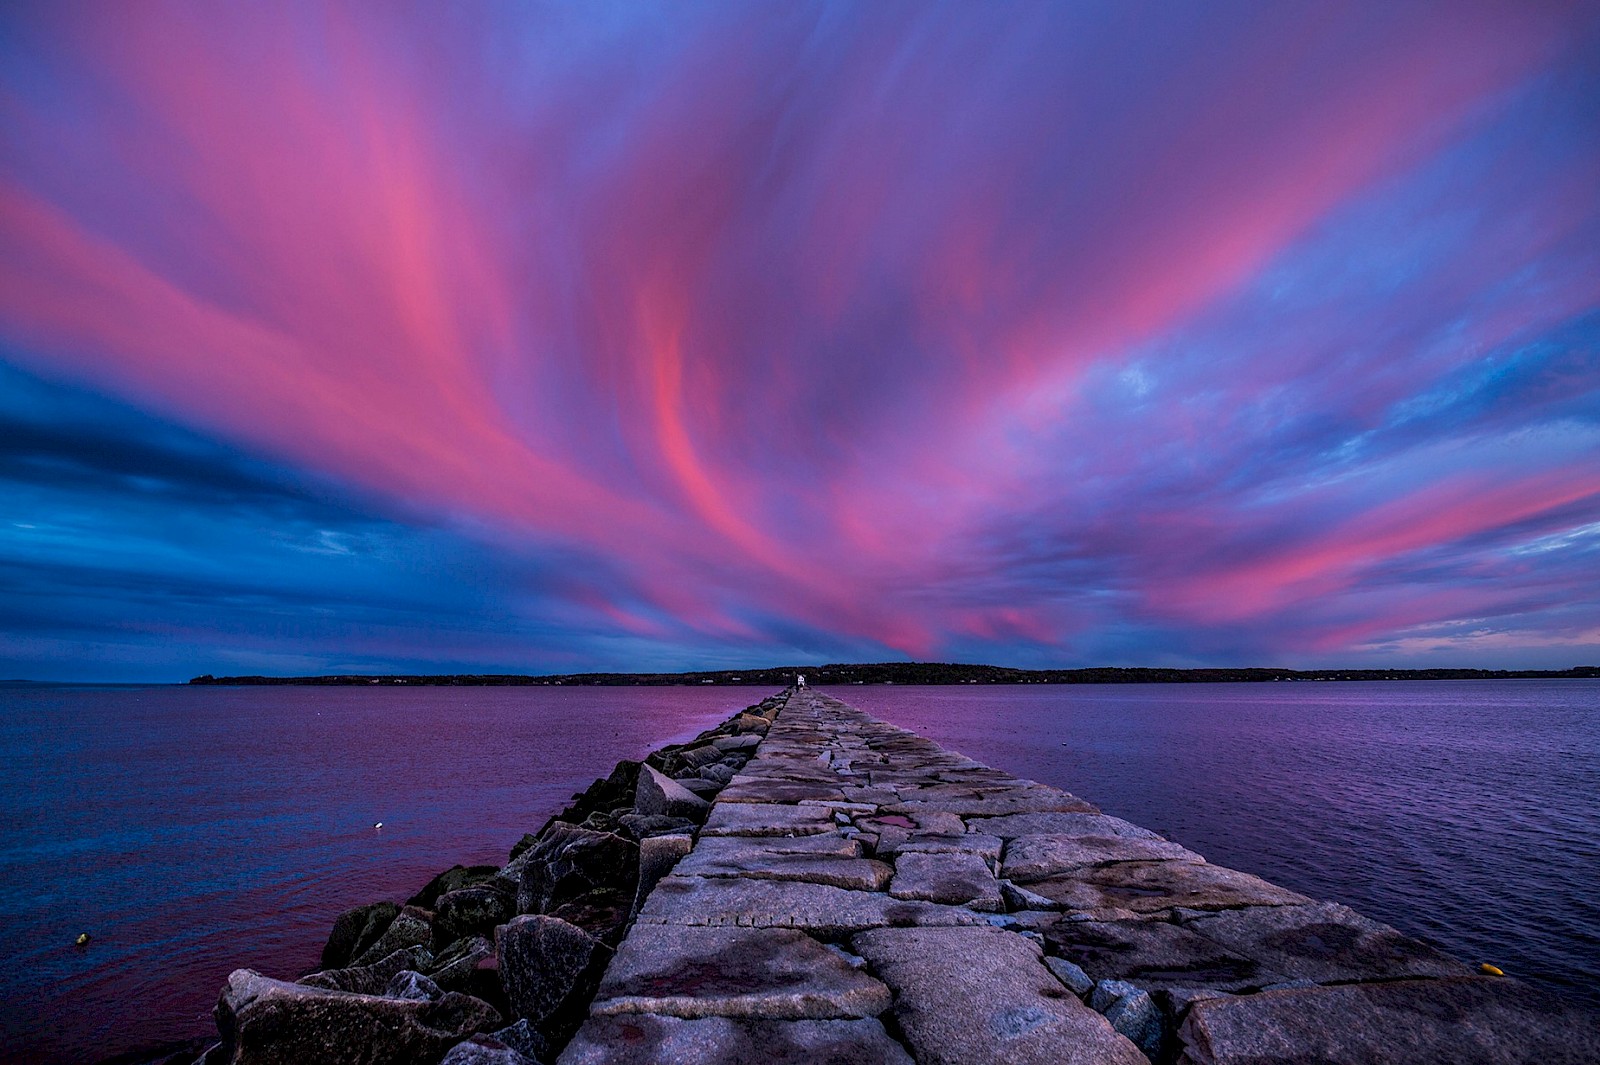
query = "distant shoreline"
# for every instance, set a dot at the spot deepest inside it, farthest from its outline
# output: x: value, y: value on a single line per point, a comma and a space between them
x: 911, y: 673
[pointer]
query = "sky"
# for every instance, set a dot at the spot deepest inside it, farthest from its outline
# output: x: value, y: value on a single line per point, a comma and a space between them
x: 552, y: 337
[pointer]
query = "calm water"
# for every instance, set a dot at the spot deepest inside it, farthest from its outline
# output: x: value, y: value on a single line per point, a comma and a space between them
x: 191, y: 831
x: 1463, y: 812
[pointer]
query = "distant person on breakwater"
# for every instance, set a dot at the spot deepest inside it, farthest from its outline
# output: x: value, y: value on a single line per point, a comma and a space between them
x: 799, y: 680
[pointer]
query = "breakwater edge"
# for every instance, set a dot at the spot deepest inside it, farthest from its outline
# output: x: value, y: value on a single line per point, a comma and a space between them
x: 852, y: 892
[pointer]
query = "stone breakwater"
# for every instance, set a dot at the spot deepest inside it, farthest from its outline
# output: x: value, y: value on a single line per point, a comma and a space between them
x: 808, y: 884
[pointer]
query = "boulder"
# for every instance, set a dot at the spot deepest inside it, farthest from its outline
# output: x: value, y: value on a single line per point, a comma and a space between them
x: 717, y: 773
x: 657, y: 794
x: 452, y: 879
x: 746, y: 743
x: 524, y: 1039
x: 370, y: 979
x: 569, y: 862
x: 354, y: 931
x: 413, y: 927
x: 549, y: 969
x: 469, y: 911
x: 271, y: 1022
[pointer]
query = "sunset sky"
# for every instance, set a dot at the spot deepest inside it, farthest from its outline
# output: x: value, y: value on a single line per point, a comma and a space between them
x: 552, y: 337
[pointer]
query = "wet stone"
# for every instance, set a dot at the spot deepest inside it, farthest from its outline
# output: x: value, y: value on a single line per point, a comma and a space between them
x: 647, y: 1039
x: 775, y: 973
x: 976, y: 996
x: 1324, y: 942
x: 953, y: 878
x: 1037, y: 857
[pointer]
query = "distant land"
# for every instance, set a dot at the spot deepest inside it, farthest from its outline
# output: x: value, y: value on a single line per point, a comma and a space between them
x: 925, y: 673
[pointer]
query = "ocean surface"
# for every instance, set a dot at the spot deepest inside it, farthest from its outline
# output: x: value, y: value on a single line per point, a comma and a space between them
x: 192, y: 831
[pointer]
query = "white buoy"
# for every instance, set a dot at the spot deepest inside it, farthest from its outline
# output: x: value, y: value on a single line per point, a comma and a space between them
x: 378, y: 825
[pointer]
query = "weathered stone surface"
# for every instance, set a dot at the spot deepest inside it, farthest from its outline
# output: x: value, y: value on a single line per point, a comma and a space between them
x: 369, y: 979
x: 1153, y: 954
x: 547, y: 965
x: 954, y: 878
x: 695, y: 900
x: 645, y: 1039
x: 765, y: 819
x: 569, y: 862
x: 717, y: 773
x: 1324, y: 942
x: 775, y: 973
x: 657, y: 857
x: 524, y: 1039
x: 354, y: 931
x: 1146, y: 887
x: 659, y: 794
x: 412, y: 927
x: 985, y: 847
x: 270, y: 1022
x: 1011, y: 826
x: 695, y: 757
x: 757, y: 848
x: 470, y: 911
x: 981, y: 996
x: 736, y: 743
x: 918, y: 820
x: 774, y: 790
x: 859, y: 874
x: 1030, y: 858
x: 1462, y: 1021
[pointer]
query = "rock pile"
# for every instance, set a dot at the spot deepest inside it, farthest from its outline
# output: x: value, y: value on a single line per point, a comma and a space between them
x: 493, y: 965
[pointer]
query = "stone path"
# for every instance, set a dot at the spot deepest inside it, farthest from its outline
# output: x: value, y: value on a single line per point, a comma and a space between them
x: 861, y: 895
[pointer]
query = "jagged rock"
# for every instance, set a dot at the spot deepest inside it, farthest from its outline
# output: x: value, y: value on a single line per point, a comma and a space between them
x: 1131, y: 1012
x: 468, y: 912
x: 657, y: 794
x: 736, y: 743
x: 700, y: 787
x: 695, y: 757
x: 642, y: 826
x: 354, y: 931
x: 549, y: 969
x: 657, y: 857
x: 452, y: 879
x: 413, y: 927
x: 408, y: 984
x: 717, y: 773
x: 569, y: 861
x: 271, y: 1022
x: 482, y: 1050
x: 1072, y: 978
x: 456, y: 966
x: 369, y: 979
x: 524, y: 1039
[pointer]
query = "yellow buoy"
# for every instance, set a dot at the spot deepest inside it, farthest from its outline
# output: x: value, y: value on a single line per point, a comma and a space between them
x: 83, y: 939
x: 1492, y: 970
